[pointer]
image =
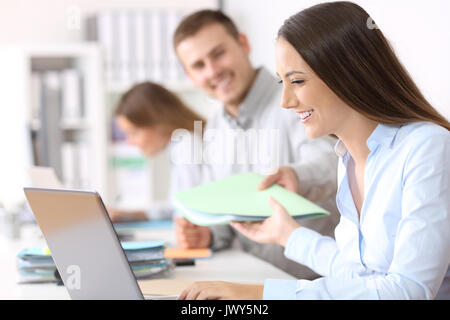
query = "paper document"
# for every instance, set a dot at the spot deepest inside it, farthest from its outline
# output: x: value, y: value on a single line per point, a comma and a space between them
x: 236, y: 198
x: 44, y: 177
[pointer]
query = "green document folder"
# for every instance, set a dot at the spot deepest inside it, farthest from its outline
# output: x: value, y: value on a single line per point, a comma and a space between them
x: 236, y: 198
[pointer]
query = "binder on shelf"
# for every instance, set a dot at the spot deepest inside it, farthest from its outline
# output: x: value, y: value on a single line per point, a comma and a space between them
x: 123, y: 39
x: 103, y: 28
x: 75, y: 164
x: 236, y: 198
x: 71, y: 95
x: 180, y: 74
x: 36, y: 96
x: 35, y: 116
x: 163, y: 41
x: 148, y: 59
x: 51, y: 136
x: 106, y: 36
x: 84, y: 160
x: 57, y: 98
x: 141, y: 50
x: 137, y: 45
x: 156, y: 45
x: 173, y: 18
x: 68, y: 164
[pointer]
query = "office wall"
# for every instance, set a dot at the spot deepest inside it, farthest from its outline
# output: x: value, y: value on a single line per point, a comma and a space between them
x: 55, y: 20
x: 40, y: 22
x: 417, y: 29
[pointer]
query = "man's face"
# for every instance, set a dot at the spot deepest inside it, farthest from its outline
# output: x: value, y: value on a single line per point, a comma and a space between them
x: 217, y: 63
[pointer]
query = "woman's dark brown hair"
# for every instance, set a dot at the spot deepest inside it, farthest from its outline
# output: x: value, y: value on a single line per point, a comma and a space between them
x: 147, y: 104
x: 348, y: 52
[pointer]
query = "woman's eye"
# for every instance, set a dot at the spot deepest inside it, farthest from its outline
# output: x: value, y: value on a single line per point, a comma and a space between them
x: 297, y: 81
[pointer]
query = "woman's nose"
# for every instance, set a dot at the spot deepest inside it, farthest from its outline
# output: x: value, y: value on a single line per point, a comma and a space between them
x: 288, y: 99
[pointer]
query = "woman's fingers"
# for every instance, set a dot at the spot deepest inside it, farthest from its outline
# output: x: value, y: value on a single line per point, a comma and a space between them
x: 275, y: 205
x: 188, y: 293
x: 269, y: 230
x: 210, y: 293
x: 208, y: 290
x: 279, y: 210
x: 256, y: 231
x: 183, y: 294
x: 198, y: 291
x: 247, y: 228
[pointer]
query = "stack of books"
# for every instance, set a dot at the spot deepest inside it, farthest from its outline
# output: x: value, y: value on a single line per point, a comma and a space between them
x: 146, y: 258
x: 237, y: 198
x: 35, y: 265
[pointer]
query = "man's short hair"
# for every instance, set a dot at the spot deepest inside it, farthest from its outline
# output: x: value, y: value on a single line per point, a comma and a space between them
x: 192, y: 24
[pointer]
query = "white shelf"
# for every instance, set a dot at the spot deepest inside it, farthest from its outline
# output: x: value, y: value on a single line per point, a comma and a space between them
x: 35, y: 124
x: 65, y: 124
x: 74, y: 124
x: 52, y: 50
x: 87, y: 59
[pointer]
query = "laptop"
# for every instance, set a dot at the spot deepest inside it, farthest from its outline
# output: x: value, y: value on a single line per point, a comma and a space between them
x: 84, y: 245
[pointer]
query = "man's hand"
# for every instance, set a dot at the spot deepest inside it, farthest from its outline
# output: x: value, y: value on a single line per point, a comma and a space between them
x: 285, y: 177
x: 189, y: 235
x: 221, y: 290
x: 126, y: 216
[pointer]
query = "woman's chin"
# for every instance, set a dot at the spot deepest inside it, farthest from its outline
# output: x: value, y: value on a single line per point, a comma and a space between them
x: 313, y: 133
x: 152, y: 152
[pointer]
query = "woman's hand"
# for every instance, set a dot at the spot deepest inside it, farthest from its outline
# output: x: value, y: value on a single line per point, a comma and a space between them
x: 221, y: 290
x: 275, y: 229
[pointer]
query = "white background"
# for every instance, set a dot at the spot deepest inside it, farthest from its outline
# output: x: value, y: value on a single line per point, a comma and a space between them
x: 418, y: 30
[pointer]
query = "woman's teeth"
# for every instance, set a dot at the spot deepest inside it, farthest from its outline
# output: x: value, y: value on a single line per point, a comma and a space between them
x: 305, y: 115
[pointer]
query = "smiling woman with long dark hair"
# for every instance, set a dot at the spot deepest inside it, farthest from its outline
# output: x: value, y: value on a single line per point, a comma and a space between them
x: 150, y: 115
x: 393, y: 241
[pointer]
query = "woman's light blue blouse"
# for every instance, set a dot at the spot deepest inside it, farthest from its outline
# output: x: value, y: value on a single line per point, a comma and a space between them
x: 400, y: 247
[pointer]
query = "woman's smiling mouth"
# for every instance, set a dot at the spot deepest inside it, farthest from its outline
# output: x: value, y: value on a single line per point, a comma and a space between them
x: 305, y: 115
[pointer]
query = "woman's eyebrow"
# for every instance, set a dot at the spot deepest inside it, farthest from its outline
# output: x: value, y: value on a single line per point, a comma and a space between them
x: 290, y: 73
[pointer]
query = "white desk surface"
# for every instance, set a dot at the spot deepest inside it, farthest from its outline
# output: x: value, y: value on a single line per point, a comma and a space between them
x: 229, y: 265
